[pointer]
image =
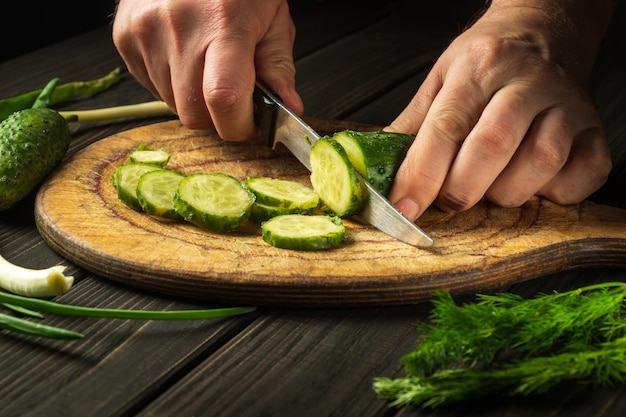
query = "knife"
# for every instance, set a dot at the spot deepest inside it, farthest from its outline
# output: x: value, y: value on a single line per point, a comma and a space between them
x: 278, y: 124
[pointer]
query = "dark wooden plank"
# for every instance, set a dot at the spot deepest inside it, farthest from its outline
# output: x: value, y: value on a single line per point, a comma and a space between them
x: 321, y: 22
x: 346, y: 75
x: 118, y: 366
x: 300, y: 362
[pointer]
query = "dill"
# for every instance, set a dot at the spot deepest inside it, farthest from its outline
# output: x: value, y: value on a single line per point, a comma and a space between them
x: 504, y: 344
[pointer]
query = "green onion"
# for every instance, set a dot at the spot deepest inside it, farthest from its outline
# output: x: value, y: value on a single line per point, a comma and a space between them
x: 62, y: 93
x: 30, y: 328
x: 109, y: 313
x: 34, y: 282
x: 31, y: 306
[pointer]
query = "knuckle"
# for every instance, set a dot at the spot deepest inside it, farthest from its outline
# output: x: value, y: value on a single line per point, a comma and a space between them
x: 452, y: 125
x: 498, y: 140
x: 454, y: 201
x: 223, y: 100
x: 551, y: 152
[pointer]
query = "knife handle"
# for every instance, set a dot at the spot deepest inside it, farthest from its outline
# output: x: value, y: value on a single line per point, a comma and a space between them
x: 264, y: 113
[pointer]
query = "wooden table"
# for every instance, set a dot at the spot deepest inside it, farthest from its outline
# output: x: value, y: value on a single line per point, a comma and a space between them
x: 356, y: 61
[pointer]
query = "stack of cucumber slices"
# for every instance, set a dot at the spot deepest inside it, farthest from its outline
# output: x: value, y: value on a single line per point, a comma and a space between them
x: 292, y: 215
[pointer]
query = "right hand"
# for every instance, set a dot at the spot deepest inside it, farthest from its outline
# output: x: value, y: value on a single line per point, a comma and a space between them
x: 202, y: 57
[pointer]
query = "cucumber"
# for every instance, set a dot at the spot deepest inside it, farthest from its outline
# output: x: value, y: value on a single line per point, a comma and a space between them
x: 376, y: 155
x: 146, y: 155
x: 303, y: 232
x: 262, y: 212
x: 215, y: 202
x: 334, y: 178
x: 156, y: 190
x: 283, y: 193
x: 125, y: 179
x: 32, y: 143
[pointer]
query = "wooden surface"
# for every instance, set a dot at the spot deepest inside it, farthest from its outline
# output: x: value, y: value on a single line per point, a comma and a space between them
x: 358, y: 61
x: 78, y: 214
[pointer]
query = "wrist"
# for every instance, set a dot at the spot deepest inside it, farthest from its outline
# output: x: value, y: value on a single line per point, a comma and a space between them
x: 571, y: 31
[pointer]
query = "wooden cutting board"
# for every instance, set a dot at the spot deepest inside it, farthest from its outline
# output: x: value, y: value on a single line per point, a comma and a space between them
x: 79, y: 215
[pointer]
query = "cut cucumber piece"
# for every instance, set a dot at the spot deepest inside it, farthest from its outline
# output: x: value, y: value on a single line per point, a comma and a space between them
x: 263, y: 212
x: 283, y: 193
x: 334, y: 178
x: 376, y: 155
x: 303, y: 232
x: 215, y: 202
x: 145, y: 155
x: 125, y: 179
x: 155, y: 192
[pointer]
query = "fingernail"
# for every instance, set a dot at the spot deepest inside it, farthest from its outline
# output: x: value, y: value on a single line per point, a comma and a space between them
x: 408, y: 207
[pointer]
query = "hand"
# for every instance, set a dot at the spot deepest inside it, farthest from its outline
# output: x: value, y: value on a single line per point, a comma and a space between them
x: 504, y: 114
x: 202, y: 57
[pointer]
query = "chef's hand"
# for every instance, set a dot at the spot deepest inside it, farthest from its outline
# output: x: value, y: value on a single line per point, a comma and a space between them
x: 202, y: 57
x: 505, y: 113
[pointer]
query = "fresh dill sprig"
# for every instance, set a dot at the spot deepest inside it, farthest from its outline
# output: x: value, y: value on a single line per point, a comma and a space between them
x: 476, y: 334
x: 504, y: 344
x: 600, y: 366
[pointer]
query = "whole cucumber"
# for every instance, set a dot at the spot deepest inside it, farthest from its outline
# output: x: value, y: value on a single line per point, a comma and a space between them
x: 32, y: 143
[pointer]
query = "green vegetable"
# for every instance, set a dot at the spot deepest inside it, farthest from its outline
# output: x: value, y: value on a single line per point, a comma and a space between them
x: 156, y: 190
x: 32, y: 143
x: 375, y: 155
x: 23, y: 326
x: 34, y: 140
x: 507, y: 345
x: 334, y: 178
x: 303, y: 232
x: 215, y: 202
x: 125, y: 179
x: 280, y: 192
x: 146, y: 155
x: 18, y: 325
x: 262, y: 212
x: 62, y: 93
x: 131, y: 111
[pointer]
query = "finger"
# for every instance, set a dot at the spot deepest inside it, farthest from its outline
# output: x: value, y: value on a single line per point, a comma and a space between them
x: 489, y: 147
x: 274, y: 60
x: 585, y: 171
x: 184, y: 88
x: 454, y: 111
x: 539, y: 158
x: 229, y: 77
x: 131, y: 50
x: 411, y: 118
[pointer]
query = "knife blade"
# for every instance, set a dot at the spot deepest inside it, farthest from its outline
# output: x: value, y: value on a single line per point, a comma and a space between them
x: 279, y: 124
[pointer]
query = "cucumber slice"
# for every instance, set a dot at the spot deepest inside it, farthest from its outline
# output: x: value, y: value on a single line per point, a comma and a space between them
x: 145, y: 155
x: 263, y: 212
x: 125, y: 179
x: 376, y: 155
x: 303, y: 232
x: 155, y: 192
x: 215, y: 202
x: 283, y: 193
x: 335, y: 179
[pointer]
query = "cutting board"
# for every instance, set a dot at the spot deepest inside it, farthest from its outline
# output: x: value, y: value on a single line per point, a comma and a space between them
x: 79, y: 215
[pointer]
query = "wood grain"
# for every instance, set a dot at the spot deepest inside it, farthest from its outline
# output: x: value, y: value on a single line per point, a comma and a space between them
x: 79, y: 215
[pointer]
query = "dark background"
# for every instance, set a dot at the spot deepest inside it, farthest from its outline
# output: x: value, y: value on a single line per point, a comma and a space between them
x: 27, y: 26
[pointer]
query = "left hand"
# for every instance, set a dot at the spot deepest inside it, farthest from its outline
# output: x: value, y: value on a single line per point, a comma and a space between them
x: 504, y: 114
